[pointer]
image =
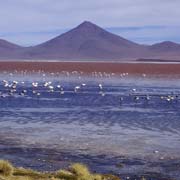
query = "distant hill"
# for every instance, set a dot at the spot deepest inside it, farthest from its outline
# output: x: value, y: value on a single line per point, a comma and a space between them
x: 90, y: 42
x: 9, y: 50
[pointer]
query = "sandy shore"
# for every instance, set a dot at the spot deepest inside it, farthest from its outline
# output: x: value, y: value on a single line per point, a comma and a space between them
x: 89, y: 67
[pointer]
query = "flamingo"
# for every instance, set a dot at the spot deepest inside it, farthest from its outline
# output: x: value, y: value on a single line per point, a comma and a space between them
x: 100, y: 86
x: 77, y: 88
x: 35, y: 84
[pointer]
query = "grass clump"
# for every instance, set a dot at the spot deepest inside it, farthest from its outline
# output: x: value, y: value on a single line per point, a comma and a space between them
x: 64, y: 174
x: 78, y: 172
x: 27, y: 172
x: 75, y: 172
x: 6, y: 169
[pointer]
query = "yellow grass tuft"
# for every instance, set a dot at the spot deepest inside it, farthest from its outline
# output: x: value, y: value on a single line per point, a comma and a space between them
x: 97, y: 177
x: 79, y: 170
x: 27, y: 172
x: 6, y: 169
x: 63, y: 174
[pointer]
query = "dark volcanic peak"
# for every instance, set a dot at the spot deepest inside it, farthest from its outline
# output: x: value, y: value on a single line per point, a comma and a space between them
x: 88, y: 28
x: 88, y: 25
x: 90, y: 33
x: 91, y: 30
x: 86, y: 41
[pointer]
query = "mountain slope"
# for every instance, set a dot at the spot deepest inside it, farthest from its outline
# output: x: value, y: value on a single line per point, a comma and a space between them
x: 7, y: 45
x: 165, y: 46
x: 9, y: 50
x: 165, y: 50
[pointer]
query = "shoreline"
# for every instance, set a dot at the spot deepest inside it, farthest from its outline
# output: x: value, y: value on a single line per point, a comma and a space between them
x: 51, y: 160
x: 89, y: 67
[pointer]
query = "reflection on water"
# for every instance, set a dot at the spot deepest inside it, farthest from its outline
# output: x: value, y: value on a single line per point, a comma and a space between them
x: 135, y: 117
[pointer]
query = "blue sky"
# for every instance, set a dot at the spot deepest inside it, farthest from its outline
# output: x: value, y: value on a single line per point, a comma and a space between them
x: 30, y: 22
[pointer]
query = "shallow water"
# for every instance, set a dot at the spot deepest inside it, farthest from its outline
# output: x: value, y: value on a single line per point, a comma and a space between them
x: 98, y: 126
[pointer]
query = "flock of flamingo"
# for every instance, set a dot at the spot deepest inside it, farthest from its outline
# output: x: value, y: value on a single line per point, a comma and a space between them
x: 11, y: 87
